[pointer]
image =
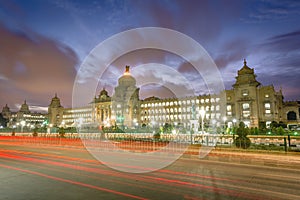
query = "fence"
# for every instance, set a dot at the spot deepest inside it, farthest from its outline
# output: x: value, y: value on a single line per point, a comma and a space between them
x: 207, y: 139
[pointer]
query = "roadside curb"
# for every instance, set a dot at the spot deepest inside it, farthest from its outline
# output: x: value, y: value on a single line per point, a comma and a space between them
x: 270, y: 159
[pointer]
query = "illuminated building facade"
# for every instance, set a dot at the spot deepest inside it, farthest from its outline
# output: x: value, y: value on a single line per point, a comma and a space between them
x: 24, y: 117
x: 247, y: 101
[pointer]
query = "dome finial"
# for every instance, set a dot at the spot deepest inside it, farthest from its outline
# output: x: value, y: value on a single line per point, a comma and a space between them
x: 127, y: 69
x: 245, y: 62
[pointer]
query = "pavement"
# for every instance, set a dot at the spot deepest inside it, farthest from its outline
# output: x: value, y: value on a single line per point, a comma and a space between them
x: 250, y: 157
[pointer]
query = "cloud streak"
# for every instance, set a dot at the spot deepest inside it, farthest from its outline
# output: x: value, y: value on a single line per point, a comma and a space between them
x: 34, y: 67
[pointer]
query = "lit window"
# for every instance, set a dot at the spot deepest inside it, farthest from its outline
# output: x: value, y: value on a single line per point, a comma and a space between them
x: 246, y: 106
x: 267, y: 105
x: 267, y: 95
x: 206, y: 100
x: 217, y: 107
x: 228, y: 107
x: 246, y: 113
x: 202, y: 100
x: 268, y: 111
x: 245, y: 92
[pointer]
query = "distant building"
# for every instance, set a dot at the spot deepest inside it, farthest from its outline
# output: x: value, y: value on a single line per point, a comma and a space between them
x: 24, y: 117
x: 247, y: 101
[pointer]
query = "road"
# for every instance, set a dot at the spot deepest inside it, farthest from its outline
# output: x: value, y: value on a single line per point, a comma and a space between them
x: 60, y: 171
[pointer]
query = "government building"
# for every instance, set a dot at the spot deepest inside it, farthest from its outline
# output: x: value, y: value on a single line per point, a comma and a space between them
x: 248, y: 101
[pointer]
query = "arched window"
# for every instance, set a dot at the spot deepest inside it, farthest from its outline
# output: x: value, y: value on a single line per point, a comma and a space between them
x: 291, y: 115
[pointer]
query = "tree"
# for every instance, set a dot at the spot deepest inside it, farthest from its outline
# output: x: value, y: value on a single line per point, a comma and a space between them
x: 156, y: 136
x: 280, y: 130
x: 256, y: 131
x: 242, y: 141
x: 61, y: 132
x: 35, y: 132
x: 3, y: 121
x: 282, y: 124
x: 167, y: 128
x: 273, y: 125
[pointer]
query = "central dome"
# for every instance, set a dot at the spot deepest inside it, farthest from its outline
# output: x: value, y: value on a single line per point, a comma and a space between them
x: 127, y: 79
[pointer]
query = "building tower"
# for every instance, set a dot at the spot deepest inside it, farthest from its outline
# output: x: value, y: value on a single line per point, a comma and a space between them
x: 55, y: 111
x: 246, y: 96
x: 24, y: 108
x: 6, y: 112
x: 102, y: 108
x: 125, y: 101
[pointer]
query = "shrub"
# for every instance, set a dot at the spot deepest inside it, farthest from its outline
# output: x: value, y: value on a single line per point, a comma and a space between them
x: 61, y: 132
x: 156, y: 136
x: 242, y: 141
x: 34, y: 134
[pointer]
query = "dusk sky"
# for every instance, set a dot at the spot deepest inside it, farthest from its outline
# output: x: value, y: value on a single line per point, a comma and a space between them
x: 43, y: 43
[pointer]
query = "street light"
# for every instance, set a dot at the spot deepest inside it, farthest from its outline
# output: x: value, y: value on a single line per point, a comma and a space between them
x: 202, y: 114
x: 63, y: 124
x: 134, y: 122
x: 23, y: 123
x: 234, y: 121
x: 224, y: 119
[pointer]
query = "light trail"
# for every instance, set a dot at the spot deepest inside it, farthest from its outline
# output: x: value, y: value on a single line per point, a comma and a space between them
x: 74, y: 182
x: 150, y: 179
x: 174, y: 182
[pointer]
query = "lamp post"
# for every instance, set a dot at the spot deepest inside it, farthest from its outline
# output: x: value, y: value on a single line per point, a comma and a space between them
x: 224, y: 119
x: 134, y: 122
x: 234, y: 123
x: 202, y: 114
x: 23, y: 123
